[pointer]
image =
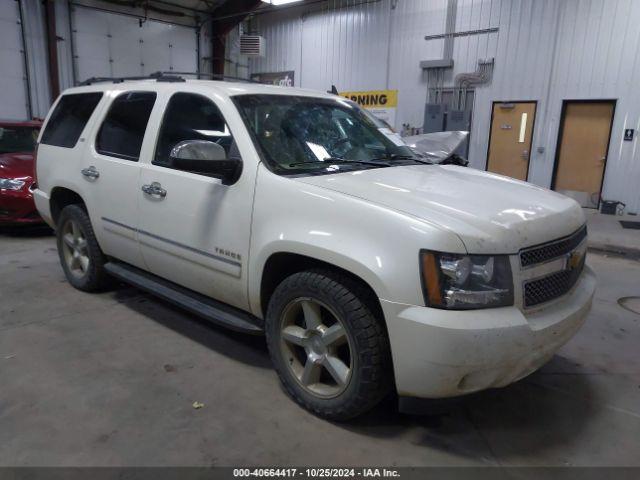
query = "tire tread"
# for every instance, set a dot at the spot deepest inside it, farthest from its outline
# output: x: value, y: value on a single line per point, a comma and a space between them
x: 97, y: 279
x: 375, y: 375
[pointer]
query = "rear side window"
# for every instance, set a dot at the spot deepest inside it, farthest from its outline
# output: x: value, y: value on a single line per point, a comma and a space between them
x: 122, y: 131
x: 69, y: 119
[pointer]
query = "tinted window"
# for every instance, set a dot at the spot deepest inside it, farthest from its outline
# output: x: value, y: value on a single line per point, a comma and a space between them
x: 191, y: 117
x: 18, y: 139
x: 69, y: 118
x: 122, y: 131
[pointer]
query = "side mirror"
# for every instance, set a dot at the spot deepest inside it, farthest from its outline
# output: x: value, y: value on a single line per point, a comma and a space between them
x: 206, y: 158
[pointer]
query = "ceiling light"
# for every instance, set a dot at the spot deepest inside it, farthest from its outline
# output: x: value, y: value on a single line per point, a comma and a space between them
x: 280, y: 2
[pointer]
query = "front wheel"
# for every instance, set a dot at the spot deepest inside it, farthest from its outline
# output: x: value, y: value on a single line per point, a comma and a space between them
x: 330, y: 350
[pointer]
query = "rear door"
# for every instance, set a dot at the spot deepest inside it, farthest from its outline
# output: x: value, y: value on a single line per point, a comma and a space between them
x: 196, y: 231
x: 62, y: 142
x: 111, y: 170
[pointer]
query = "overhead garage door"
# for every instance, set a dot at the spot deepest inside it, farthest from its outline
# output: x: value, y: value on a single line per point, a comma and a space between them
x: 112, y: 45
x: 13, y: 90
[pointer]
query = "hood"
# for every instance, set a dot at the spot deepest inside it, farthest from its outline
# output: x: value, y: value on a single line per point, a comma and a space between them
x: 16, y: 165
x: 490, y: 213
x: 437, y: 146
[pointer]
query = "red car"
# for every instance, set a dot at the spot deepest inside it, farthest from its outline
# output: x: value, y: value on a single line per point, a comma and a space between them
x: 17, y: 144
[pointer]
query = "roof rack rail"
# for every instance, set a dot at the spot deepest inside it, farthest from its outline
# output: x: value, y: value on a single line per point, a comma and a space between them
x: 215, y: 76
x: 164, y: 77
x: 158, y: 76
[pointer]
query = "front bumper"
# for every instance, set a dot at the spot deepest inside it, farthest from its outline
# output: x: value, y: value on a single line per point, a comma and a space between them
x: 18, y: 208
x: 443, y: 353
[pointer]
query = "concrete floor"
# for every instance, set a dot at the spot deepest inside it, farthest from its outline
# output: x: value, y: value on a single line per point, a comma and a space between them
x: 110, y: 379
x: 606, y: 233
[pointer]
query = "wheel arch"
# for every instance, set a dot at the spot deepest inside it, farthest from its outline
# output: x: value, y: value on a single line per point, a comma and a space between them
x: 62, y: 197
x: 279, y: 265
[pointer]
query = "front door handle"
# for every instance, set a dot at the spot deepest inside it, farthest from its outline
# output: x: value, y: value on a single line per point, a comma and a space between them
x: 154, y: 189
x: 90, y: 172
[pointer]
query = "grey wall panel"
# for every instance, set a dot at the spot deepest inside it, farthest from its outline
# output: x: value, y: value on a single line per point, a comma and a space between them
x: 108, y: 44
x: 104, y: 36
x: 283, y: 49
x: 91, y: 43
x: 183, y: 48
x: 38, y: 65
x: 13, y: 89
x: 341, y: 46
x: 65, y: 58
x: 24, y: 87
x: 545, y: 50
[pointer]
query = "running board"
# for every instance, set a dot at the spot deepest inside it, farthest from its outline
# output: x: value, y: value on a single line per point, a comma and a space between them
x: 195, y: 303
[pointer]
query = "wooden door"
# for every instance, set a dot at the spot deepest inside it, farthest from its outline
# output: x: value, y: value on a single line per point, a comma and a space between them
x: 582, y: 154
x: 511, y: 135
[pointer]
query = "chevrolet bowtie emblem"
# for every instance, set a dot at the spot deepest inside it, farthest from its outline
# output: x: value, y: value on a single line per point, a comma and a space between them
x: 574, y: 260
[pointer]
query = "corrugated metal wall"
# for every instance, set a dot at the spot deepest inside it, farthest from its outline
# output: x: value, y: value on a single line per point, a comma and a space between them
x: 36, y: 43
x: 545, y: 50
x: 24, y: 81
x: 13, y: 81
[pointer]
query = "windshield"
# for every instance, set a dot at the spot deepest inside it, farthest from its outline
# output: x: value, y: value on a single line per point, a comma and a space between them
x: 18, y: 139
x: 316, y: 135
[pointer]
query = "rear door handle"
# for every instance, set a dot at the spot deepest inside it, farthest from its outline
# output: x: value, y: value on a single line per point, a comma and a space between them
x: 90, y: 172
x: 154, y: 189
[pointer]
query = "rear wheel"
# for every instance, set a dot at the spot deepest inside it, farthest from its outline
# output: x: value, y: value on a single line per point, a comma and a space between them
x: 79, y: 252
x: 330, y: 350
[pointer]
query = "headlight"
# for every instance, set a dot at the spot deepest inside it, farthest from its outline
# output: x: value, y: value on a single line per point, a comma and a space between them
x: 460, y: 282
x: 11, y: 184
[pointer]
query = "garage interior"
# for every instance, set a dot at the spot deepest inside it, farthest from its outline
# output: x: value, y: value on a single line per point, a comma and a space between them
x: 548, y: 91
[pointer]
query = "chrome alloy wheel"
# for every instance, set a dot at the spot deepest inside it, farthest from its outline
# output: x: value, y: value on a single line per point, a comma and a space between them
x: 74, y: 248
x: 315, y: 347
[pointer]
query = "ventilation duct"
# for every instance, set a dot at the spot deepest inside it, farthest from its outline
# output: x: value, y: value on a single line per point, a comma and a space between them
x: 252, y: 45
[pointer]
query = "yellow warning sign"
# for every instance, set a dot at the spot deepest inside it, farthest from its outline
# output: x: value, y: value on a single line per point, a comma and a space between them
x: 374, y: 98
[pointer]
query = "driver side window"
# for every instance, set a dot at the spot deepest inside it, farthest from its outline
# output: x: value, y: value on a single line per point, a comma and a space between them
x: 190, y: 116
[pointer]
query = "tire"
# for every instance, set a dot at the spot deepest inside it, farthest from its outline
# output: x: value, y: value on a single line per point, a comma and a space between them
x: 74, y: 233
x: 295, y: 338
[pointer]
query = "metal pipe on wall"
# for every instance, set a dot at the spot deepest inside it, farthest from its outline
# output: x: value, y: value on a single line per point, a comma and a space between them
x: 26, y: 62
x: 52, y: 48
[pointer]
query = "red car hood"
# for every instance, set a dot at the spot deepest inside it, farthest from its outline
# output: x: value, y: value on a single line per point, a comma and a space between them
x: 16, y: 165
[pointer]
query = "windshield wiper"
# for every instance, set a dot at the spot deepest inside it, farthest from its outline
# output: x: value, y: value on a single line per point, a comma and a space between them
x: 377, y: 162
x: 397, y: 156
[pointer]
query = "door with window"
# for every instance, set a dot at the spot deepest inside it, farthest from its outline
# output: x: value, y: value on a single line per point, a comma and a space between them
x: 111, y: 170
x: 510, y: 139
x: 194, y: 230
x: 582, y: 153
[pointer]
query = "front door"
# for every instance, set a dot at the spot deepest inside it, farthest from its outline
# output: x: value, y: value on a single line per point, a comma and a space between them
x: 582, y: 154
x: 111, y: 170
x: 510, y: 141
x: 195, y: 231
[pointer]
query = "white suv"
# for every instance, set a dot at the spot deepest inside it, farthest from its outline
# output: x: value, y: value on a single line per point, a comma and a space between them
x: 294, y: 213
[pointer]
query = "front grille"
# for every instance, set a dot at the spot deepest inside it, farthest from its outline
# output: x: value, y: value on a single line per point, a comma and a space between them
x: 548, y: 251
x: 552, y: 286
